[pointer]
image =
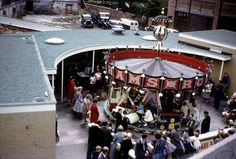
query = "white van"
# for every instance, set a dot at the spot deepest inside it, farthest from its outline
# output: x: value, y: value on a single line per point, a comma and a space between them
x: 129, y: 24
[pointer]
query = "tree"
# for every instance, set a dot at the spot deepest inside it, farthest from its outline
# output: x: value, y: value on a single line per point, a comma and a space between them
x: 152, y: 8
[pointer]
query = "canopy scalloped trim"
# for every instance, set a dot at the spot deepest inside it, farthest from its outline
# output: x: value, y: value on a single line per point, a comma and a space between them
x: 173, y: 56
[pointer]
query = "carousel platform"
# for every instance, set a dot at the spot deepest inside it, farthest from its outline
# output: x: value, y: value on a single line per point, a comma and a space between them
x: 141, y: 129
x: 130, y: 126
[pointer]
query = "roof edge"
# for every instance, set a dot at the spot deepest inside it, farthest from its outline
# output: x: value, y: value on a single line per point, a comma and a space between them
x: 27, y: 107
x: 184, y: 37
x: 46, y: 80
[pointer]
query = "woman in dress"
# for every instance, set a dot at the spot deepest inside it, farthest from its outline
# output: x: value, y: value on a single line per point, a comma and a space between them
x: 79, y: 103
x: 94, y: 112
x: 70, y: 91
x: 87, y: 105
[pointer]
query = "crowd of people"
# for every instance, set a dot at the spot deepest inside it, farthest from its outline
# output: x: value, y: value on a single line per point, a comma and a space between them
x: 108, y: 142
x: 162, y: 144
x: 84, y: 105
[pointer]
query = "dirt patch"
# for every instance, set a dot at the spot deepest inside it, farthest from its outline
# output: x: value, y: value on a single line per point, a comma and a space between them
x: 5, y: 29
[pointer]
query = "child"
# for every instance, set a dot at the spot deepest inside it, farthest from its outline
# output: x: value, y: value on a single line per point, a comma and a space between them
x: 104, y: 153
x: 196, y: 142
x: 96, y: 152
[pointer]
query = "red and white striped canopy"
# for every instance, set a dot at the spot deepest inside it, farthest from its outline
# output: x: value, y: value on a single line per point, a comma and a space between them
x: 147, y: 68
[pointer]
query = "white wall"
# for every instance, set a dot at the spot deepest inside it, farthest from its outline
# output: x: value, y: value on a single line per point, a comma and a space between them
x: 60, y: 7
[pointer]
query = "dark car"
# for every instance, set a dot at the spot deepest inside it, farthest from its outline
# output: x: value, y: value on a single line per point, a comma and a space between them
x: 86, y: 21
x: 101, y: 19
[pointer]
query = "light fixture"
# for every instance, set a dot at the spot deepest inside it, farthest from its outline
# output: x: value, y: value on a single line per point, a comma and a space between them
x: 126, y: 69
x: 196, y: 78
x: 113, y: 82
x: 178, y: 95
x: 125, y: 87
x: 141, y: 91
x: 162, y: 78
x: 160, y: 94
x: 104, y: 72
x: 181, y: 78
x: 193, y: 94
x: 106, y: 77
x: 143, y: 75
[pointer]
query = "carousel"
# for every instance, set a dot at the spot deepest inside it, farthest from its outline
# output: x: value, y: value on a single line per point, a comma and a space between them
x: 155, y: 88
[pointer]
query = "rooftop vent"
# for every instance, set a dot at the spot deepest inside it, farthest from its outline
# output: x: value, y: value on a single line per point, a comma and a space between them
x: 149, y: 38
x: 55, y: 41
x: 26, y: 38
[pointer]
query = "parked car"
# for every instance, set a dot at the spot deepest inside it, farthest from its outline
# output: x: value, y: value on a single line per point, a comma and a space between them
x: 101, y: 18
x: 86, y: 21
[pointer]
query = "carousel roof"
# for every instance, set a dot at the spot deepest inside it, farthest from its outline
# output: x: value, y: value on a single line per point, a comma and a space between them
x: 158, y: 67
x: 146, y: 68
x: 158, y: 63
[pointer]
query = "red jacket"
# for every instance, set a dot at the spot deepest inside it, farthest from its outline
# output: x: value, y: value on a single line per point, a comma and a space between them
x: 70, y: 92
x: 94, y: 113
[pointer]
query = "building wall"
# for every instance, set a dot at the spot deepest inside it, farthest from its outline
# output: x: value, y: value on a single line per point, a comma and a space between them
x: 59, y: 7
x: 171, y: 10
x: 13, y: 10
x: 42, y: 7
x: 213, y: 14
x: 229, y: 67
x: 27, y: 135
x: 55, y: 7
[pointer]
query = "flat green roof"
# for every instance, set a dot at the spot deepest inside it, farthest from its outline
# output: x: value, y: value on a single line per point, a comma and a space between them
x: 80, y: 39
x: 26, y: 56
x: 23, y: 77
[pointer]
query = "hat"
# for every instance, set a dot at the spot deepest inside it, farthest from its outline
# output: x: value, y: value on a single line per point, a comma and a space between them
x: 120, y: 127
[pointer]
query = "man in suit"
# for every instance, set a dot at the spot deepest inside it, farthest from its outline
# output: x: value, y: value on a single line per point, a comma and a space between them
x: 118, y: 119
x: 125, y: 146
x: 94, y: 137
x: 175, y: 139
x: 106, y: 135
x: 205, y: 126
x: 141, y: 147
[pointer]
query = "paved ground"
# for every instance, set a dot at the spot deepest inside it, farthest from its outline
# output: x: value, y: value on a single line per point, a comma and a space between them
x: 74, y: 134
x: 59, y: 21
x: 28, y: 25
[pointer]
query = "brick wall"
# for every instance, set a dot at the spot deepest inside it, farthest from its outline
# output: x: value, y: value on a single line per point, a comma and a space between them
x: 27, y: 135
x: 61, y: 7
x: 171, y: 10
x: 43, y: 7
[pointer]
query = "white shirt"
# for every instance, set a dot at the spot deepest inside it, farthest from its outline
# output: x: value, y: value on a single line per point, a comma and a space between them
x: 92, y: 80
x: 148, y: 116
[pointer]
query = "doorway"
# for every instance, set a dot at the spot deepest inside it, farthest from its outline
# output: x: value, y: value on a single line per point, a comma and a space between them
x: 29, y: 5
x: 68, y: 8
